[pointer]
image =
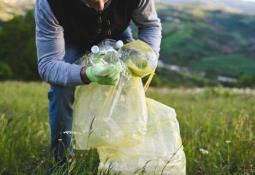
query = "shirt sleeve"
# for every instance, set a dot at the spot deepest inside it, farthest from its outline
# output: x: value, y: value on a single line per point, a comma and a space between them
x: 149, y: 26
x: 51, y: 49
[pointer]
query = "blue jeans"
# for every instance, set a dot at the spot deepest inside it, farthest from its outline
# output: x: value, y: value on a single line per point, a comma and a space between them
x: 61, y: 99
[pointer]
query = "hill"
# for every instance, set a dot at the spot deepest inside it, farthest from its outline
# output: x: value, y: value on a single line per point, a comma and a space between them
x: 208, y: 44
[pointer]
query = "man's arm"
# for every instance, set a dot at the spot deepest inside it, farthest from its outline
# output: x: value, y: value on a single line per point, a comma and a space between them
x: 148, y: 23
x: 51, y: 49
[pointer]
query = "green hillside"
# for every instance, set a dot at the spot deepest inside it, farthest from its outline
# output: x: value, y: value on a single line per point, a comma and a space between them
x: 208, y: 41
x: 229, y: 65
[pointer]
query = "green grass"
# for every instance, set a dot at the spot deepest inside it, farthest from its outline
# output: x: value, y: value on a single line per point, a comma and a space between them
x: 218, y: 120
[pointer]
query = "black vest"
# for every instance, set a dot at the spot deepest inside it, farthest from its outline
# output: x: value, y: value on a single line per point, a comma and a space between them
x: 85, y: 27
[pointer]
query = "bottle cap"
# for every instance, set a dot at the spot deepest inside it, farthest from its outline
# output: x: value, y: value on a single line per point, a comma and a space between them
x: 119, y: 44
x: 95, y: 49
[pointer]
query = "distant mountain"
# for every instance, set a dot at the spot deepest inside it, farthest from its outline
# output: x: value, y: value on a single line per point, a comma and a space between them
x: 241, y: 6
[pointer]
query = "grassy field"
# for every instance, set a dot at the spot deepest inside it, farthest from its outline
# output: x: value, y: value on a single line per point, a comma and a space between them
x: 217, y: 128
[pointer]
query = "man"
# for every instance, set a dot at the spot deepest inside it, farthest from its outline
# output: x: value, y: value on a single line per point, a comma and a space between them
x: 65, y: 29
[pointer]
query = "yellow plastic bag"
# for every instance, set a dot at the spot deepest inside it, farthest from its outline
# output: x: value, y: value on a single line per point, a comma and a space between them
x: 161, y: 151
x: 130, y: 131
x: 110, y: 115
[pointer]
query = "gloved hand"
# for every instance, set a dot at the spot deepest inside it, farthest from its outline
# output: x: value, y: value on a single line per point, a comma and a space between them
x: 105, y: 74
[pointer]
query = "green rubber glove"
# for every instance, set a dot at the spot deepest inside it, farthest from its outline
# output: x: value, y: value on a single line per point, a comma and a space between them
x: 108, y: 74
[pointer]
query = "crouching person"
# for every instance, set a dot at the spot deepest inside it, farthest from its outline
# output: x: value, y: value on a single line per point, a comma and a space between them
x: 65, y: 30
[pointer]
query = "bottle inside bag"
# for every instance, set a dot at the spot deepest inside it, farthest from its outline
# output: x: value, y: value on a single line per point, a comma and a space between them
x: 130, y: 132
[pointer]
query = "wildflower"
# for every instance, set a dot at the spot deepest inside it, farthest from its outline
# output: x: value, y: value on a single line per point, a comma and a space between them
x: 228, y: 141
x: 204, y: 151
x: 71, y: 132
x: 68, y: 132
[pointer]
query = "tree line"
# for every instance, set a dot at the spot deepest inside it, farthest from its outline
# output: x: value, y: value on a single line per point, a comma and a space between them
x: 18, y: 60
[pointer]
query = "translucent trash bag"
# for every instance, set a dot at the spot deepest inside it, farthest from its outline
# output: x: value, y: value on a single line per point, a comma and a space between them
x: 108, y: 115
x: 132, y: 133
x: 161, y: 151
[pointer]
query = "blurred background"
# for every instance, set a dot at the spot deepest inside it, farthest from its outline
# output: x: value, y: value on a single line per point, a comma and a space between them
x: 205, y: 43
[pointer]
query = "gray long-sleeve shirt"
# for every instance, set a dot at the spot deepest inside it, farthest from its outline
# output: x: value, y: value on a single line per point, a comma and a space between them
x: 51, y: 45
